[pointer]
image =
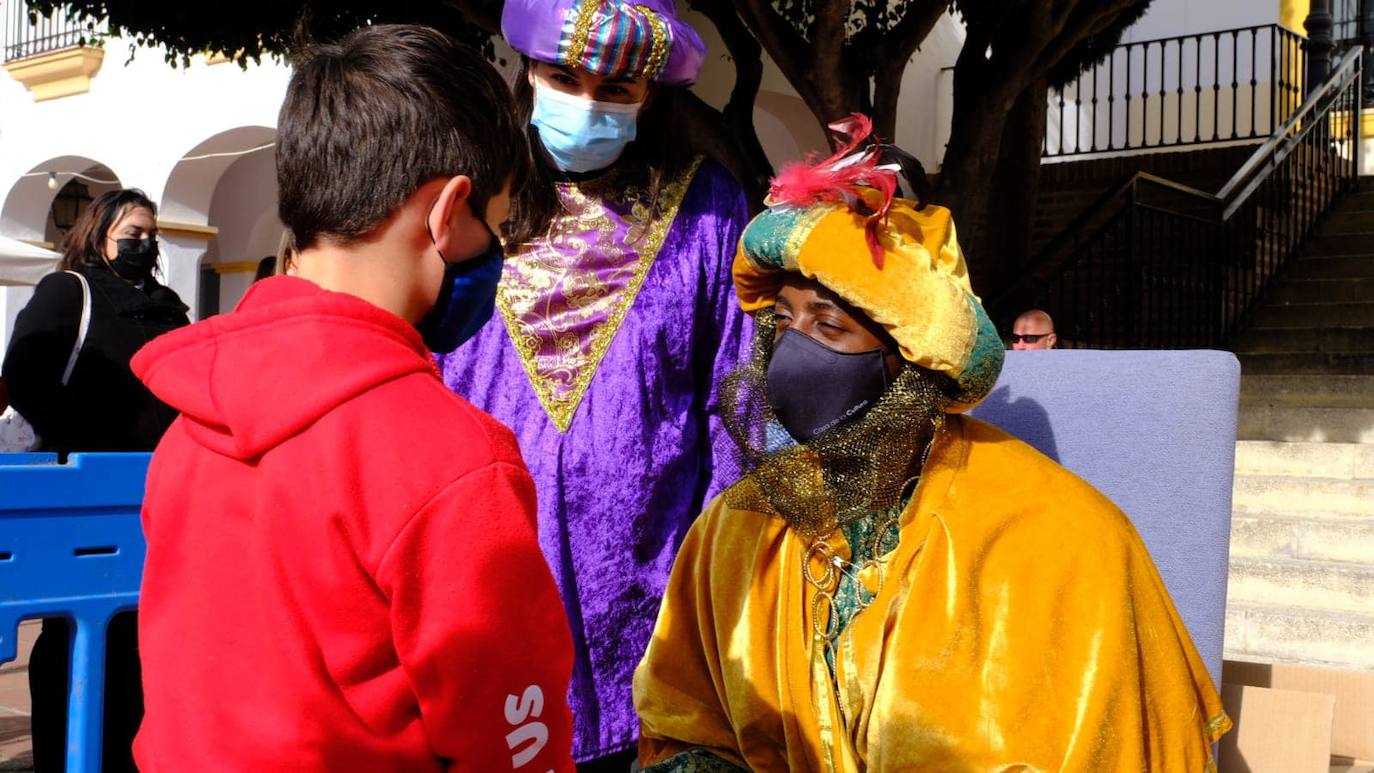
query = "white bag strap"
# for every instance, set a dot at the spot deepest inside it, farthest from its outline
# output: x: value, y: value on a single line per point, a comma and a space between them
x: 82, y: 329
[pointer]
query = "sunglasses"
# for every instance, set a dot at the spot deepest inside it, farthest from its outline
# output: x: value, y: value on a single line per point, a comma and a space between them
x: 1029, y: 338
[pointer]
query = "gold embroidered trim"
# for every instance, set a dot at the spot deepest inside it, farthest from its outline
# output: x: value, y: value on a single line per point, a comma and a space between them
x: 658, y: 53
x: 582, y: 30
x: 1219, y: 725
x: 826, y: 708
x: 655, y: 229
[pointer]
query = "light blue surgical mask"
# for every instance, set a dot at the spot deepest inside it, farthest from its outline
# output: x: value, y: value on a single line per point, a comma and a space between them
x: 582, y: 135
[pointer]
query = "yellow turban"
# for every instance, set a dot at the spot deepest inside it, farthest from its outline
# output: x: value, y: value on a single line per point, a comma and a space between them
x: 920, y: 294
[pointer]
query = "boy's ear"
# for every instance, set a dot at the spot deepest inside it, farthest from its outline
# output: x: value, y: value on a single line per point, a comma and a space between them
x: 452, y: 198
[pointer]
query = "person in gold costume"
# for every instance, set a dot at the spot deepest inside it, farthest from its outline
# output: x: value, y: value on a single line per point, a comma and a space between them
x: 893, y: 585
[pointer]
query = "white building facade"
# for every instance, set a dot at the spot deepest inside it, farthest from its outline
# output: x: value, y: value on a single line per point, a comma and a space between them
x: 199, y: 139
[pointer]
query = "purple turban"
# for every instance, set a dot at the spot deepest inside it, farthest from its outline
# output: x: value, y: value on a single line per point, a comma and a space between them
x: 607, y: 37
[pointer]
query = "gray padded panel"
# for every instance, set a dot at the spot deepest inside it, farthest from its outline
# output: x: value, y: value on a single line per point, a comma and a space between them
x: 1154, y: 431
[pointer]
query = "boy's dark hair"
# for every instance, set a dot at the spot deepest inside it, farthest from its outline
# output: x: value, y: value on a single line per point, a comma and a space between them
x: 84, y: 244
x: 386, y: 109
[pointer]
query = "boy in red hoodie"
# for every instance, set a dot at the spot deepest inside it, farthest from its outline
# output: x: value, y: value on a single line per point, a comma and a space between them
x: 342, y: 569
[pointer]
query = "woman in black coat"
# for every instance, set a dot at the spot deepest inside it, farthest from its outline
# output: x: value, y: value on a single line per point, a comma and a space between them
x: 101, y: 407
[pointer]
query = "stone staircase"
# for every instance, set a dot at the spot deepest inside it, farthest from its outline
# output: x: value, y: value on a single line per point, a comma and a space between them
x: 1302, y: 533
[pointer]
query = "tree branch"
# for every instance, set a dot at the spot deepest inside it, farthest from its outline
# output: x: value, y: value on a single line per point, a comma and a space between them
x: 744, y: 50
x: 907, y: 34
x: 898, y: 46
x: 1089, y: 19
x: 710, y: 135
x: 828, y: 29
x: 788, y: 49
x: 752, y: 166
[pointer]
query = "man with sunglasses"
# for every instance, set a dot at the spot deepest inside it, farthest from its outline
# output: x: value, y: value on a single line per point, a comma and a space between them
x: 1034, y: 329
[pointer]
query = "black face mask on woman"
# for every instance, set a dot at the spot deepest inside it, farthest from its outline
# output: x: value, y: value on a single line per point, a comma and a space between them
x: 813, y: 387
x: 135, y: 259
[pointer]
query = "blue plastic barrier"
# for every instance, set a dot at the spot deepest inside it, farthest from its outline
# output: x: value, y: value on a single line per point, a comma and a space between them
x: 22, y: 458
x: 71, y: 545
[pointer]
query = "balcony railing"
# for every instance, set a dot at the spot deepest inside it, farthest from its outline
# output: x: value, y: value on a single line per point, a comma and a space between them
x: 1216, y: 87
x: 27, y: 36
x: 1154, y: 264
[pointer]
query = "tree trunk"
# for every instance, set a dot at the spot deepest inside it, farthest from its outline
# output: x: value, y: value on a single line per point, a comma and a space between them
x: 982, y: 104
x: 837, y: 92
x: 747, y: 160
x: 887, y: 91
x: 1014, y: 194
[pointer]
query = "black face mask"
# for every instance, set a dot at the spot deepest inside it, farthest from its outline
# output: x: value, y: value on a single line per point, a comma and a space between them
x: 813, y: 387
x: 135, y: 259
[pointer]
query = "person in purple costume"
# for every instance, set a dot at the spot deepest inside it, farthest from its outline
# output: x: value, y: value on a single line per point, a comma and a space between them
x: 617, y: 319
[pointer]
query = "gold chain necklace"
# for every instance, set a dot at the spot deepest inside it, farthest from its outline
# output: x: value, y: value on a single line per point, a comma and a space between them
x: 827, y: 584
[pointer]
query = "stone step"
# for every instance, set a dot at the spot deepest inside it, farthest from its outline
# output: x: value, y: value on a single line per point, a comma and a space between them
x: 1327, y: 586
x: 1307, y: 364
x: 1266, y: 633
x: 1325, y: 537
x: 1324, y: 291
x: 1329, y: 391
x: 1314, y: 315
x: 1338, y: 340
x: 1361, y: 200
x: 1289, y: 494
x: 1303, y: 424
x: 1311, y: 460
x: 1336, y: 267
x: 1349, y: 221
x: 1341, y: 244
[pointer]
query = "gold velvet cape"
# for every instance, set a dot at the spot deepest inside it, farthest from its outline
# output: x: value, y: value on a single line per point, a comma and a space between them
x: 1021, y: 626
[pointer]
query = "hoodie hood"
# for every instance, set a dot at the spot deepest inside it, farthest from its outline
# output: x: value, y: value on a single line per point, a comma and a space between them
x: 290, y: 353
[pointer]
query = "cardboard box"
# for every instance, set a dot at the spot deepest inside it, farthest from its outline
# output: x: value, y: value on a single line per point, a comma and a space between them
x: 1352, y: 728
x: 1276, y: 731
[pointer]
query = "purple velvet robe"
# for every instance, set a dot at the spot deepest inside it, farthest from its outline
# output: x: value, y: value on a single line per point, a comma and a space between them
x: 642, y: 446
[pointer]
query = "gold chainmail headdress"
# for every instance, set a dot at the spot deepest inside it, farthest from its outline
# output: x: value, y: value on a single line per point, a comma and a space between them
x: 847, y: 472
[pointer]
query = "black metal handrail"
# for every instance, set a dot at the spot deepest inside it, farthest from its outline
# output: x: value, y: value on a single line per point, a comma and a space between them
x: 1226, y: 86
x: 1157, y: 264
x: 28, y: 35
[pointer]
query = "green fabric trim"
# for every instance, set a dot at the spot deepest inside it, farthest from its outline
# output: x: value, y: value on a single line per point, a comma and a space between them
x: 851, y: 597
x: 774, y: 238
x: 694, y: 761
x: 984, y: 361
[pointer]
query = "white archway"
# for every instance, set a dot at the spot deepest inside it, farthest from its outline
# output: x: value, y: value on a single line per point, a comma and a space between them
x: 28, y: 205
x: 27, y: 212
x: 244, y: 209
x: 190, y: 187
x: 187, y: 212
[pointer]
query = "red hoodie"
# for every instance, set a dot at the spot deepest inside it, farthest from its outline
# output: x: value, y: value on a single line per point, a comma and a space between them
x: 343, y: 571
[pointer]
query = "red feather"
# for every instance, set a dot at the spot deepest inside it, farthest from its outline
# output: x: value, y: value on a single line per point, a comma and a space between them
x: 840, y: 178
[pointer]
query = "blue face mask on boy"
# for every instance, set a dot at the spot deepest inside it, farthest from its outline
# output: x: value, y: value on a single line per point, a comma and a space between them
x: 467, y: 299
x: 582, y: 135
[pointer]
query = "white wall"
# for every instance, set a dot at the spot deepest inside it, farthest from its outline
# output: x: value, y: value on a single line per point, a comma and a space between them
x: 245, y: 196
x: 136, y: 124
x: 138, y: 120
x: 244, y: 209
x: 1167, y: 18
